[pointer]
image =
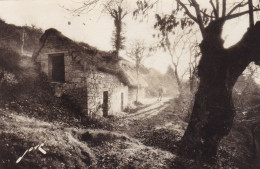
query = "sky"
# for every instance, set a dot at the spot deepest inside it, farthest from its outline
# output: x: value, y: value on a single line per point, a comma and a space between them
x: 96, y: 28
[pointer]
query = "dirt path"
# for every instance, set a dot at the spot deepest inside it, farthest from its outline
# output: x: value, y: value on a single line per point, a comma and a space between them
x: 147, y: 112
x: 156, y: 116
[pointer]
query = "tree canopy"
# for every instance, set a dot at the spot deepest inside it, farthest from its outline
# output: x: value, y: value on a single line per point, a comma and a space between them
x: 187, y: 12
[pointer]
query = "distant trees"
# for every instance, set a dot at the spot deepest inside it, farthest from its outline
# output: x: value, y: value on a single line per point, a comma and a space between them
x: 178, y: 44
x: 138, y: 52
x: 174, y: 44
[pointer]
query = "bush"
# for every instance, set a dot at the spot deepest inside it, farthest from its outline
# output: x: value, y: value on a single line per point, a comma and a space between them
x: 9, y: 61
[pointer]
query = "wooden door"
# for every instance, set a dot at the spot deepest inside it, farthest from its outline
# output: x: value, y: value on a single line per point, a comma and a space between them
x: 122, y: 101
x: 58, y: 68
x: 105, y: 103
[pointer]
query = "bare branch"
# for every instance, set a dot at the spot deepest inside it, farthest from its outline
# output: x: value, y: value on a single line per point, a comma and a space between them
x: 239, y: 5
x: 124, y: 14
x: 207, y: 15
x: 228, y: 17
x: 214, y: 9
x: 187, y: 11
x: 199, y: 18
x: 86, y: 6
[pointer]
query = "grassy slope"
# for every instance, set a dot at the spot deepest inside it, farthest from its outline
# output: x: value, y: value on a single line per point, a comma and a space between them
x: 31, y: 115
x: 11, y: 37
x: 71, y: 147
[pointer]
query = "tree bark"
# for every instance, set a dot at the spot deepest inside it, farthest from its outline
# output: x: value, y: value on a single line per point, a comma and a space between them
x: 213, y: 111
x: 251, y: 13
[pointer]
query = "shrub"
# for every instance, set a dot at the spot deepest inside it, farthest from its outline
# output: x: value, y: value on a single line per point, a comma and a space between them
x: 9, y: 61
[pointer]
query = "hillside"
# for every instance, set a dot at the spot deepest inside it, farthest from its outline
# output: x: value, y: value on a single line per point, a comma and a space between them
x: 17, y: 37
x: 24, y: 89
x: 71, y: 147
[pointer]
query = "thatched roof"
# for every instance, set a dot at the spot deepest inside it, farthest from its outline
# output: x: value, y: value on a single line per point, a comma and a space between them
x: 103, y: 61
x: 128, y: 71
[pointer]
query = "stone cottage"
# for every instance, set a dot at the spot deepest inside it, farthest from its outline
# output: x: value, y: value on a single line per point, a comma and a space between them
x: 94, y: 79
x: 128, y: 70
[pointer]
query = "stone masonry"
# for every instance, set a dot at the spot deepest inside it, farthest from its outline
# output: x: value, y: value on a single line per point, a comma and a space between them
x: 83, y: 82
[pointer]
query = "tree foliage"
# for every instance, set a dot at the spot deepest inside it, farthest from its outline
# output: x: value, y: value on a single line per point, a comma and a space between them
x: 186, y: 13
x: 117, y: 11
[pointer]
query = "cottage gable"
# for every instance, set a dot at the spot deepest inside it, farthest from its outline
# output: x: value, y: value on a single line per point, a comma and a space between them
x: 93, y: 79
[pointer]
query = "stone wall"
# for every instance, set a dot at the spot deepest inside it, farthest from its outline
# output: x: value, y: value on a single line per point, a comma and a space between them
x: 99, y: 82
x: 54, y: 46
x: 89, y: 93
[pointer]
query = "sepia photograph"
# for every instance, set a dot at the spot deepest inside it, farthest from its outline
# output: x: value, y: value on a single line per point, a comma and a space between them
x: 129, y: 84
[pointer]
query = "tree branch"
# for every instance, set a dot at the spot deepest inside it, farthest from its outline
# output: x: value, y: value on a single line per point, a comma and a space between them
x: 197, y: 19
x: 214, y: 9
x: 217, y: 6
x: 241, y: 4
x: 86, y: 6
x: 207, y: 15
x: 224, y: 8
x: 239, y: 14
x: 187, y: 11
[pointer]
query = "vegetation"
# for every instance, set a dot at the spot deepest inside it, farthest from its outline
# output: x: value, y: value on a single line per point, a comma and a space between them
x: 162, y: 134
x: 14, y: 37
x: 32, y: 116
x: 213, y: 111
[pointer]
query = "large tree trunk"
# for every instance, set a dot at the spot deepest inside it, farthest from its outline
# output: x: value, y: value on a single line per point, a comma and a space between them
x: 213, y: 110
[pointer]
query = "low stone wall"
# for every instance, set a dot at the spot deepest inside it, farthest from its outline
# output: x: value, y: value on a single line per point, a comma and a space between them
x: 87, y: 92
x: 99, y: 82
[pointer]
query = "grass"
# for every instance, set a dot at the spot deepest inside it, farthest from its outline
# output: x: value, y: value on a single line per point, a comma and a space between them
x: 24, y: 132
x: 71, y: 147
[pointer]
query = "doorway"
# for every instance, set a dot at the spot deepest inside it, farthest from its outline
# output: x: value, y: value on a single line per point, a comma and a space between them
x: 122, y: 101
x: 105, y: 103
x: 58, y: 68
